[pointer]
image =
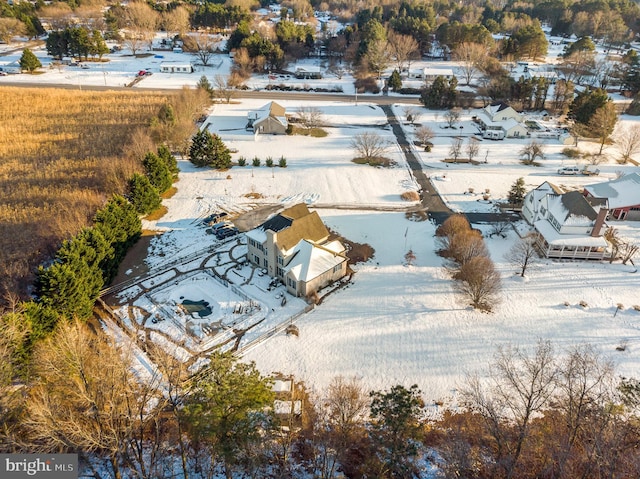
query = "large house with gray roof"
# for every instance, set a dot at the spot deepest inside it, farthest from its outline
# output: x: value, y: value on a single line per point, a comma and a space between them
x: 567, y: 225
x: 622, y: 195
x: 294, y: 246
x: 499, y: 120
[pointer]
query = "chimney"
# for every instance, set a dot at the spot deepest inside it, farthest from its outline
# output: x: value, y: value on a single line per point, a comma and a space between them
x: 602, y: 215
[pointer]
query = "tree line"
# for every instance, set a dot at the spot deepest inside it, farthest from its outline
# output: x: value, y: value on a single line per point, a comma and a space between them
x: 532, y: 413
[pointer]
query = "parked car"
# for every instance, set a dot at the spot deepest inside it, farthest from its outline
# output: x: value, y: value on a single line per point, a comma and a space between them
x: 223, y: 233
x: 590, y: 171
x: 142, y: 73
x: 569, y: 170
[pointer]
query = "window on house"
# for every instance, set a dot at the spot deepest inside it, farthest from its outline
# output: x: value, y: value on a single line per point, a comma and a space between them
x: 543, y: 210
x: 280, y: 260
x: 266, y: 263
x: 337, y: 268
x: 291, y: 283
x: 280, y: 272
x: 256, y: 259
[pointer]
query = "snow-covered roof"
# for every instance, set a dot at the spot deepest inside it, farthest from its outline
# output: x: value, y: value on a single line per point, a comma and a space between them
x: 554, y: 238
x: 621, y: 192
x: 270, y: 110
x: 310, y: 261
x: 571, y: 208
x: 257, y: 234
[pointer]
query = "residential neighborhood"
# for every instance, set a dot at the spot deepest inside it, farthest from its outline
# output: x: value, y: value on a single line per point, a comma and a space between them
x: 304, y: 239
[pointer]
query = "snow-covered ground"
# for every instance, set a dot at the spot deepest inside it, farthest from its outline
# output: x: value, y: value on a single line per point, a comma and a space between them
x: 397, y: 323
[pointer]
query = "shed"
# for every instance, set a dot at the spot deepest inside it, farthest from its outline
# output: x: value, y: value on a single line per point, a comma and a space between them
x: 175, y: 67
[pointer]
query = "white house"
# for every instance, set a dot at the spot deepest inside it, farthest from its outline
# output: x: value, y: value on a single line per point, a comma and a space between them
x: 567, y: 225
x: 294, y: 247
x: 429, y: 74
x: 306, y: 72
x: 499, y: 120
x: 176, y: 67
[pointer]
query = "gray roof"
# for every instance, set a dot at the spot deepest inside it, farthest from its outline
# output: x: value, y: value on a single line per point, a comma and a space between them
x: 577, y: 205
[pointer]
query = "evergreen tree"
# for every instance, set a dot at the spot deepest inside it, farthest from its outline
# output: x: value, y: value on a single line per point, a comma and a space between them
x: 29, y: 62
x: 395, y: 426
x: 586, y: 103
x: 224, y: 408
x: 119, y: 223
x: 395, y: 82
x: 98, y: 47
x: 157, y: 171
x: 165, y: 153
x: 143, y: 195
x: 517, y: 192
x: 205, y: 84
x: 209, y: 150
x: 71, y: 285
x: 440, y: 94
x: 57, y: 44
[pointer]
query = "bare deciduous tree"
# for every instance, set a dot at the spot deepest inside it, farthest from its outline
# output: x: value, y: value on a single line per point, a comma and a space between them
x: 310, y: 117
x: 523, y: 253
x: 478, y: 280
x: 628, y: 251
x: 141, y: 24
x: 223, y: 88
x: 369, y: 145
x: 176, y: 21
x: 204, y: 45
x: 424, y: 135
x: 87, y: 397
x: 456, y: 148
x: 473, y: 148
x: 412, y: 114
x: 531, y: 152
x: 452, y: 117
x: 403, y: 49
x: 471, y: 56
x: 628, y: 142
x: 520, y: 386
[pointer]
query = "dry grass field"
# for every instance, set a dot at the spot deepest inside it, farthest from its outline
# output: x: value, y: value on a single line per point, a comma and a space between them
x: 62, y: 154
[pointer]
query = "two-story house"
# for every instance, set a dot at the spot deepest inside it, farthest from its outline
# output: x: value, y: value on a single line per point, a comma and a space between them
x: 294, y: 247
x: 567, y: 224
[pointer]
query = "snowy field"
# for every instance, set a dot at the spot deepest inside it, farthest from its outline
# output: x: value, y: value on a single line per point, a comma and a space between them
x: 397, y: 323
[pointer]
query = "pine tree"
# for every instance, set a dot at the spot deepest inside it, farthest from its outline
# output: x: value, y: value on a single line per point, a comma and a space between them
x: 98, y: 46
x: 395, y: 82
x: 29, y: 62
x: 143, y: 195
x: 165, y: 153
x: 209, y: 150
x: 205, y: 85
x: 517, y: 192
x: 157, y: 172
x: 119, y: 223
x: 225, y: 407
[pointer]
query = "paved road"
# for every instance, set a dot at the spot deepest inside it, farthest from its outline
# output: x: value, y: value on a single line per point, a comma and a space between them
x: 264, y: 94
x: 436, y: 209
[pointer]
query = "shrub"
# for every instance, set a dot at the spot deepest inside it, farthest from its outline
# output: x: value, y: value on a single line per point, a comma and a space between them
x: 409, y: 91
x: 282, y: 163
x: 479, y: 281
x: 269, y: 161
x: 368, y: 84
x: 571, y: 152
x: 242, y: 161
x: 255, y: 161
x: 410, y: 196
